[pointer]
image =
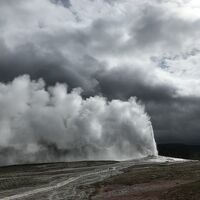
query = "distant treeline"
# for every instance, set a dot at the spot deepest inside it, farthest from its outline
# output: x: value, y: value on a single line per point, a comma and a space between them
x: 180, y: 151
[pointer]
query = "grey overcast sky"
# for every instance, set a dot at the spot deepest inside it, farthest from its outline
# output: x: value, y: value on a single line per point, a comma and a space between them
x: 117, y: 49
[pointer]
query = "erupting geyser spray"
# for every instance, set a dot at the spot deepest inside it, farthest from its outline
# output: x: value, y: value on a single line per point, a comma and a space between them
x: 39, y: 124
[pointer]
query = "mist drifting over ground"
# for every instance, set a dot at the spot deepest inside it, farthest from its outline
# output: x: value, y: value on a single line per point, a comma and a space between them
x: 38, y: 124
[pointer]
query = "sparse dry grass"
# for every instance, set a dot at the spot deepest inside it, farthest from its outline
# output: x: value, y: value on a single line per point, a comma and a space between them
x: 190, y: 191
x: 187, y: 176
x: 14, y: 183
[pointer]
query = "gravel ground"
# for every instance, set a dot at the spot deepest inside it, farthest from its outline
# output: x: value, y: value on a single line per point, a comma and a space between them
x: 149, y: 178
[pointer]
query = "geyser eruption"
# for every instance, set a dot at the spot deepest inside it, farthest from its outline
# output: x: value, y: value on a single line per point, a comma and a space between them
x: 38, y: 124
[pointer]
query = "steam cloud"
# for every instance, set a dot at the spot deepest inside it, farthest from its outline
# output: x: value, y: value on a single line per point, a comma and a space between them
x: 39, y: 124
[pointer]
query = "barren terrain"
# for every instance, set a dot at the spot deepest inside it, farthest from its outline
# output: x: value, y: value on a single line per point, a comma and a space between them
x: 146, y: 179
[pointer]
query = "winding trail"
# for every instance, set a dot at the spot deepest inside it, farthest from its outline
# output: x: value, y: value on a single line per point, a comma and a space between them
x: 56, y: 186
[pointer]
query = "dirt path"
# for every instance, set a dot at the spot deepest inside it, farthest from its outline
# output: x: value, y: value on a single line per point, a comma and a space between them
x: 58, y: 185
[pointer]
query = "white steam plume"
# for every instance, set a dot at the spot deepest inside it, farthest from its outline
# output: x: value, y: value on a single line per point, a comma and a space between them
x: 38, y: 124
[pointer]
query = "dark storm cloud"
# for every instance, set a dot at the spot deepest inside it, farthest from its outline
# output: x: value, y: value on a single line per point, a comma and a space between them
x: 161, y: 32
x: 52, y: 66
x: 26, y: 60
x: 65, y: 3
x: 122, y: 84
x: 176, y: 121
